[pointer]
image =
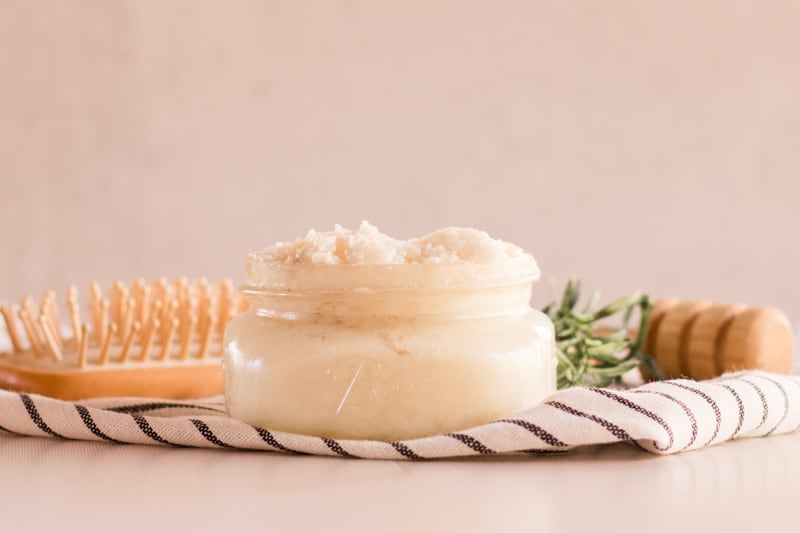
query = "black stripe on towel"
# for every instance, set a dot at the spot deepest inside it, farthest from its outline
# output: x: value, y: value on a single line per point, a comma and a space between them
x: 30, y: 407
x: 472, y: 443
x: 785, y: 404
x: 740, y: 404
x: 639, y: 409
x: 88, y: 421
x: 148, y: 430
x: 544, y: 436
x: 709, y: 400
x: 611, y: 427
x: 153, y: 406
x: 206, y: 432
x: 537, y: 451
x: 686, y: 410
x: 764, y: 405
x: 267, y: 437
x: 405, y: 451
x: 336, y: 447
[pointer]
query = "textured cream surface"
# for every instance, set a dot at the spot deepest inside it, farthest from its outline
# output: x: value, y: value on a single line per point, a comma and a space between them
x: 368, y: 246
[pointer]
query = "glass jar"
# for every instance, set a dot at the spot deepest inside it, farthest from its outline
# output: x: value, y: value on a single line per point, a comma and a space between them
x: 386, y: 352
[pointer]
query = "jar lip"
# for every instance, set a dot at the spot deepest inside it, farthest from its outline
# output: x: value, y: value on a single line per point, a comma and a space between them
x: 266, y: 276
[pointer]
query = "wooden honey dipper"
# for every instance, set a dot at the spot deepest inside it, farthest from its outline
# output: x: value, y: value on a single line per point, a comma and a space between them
x: 701, y: 340
x: 160, y: 339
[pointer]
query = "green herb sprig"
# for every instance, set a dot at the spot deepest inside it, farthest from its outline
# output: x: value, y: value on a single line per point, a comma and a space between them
x: 589, y: 355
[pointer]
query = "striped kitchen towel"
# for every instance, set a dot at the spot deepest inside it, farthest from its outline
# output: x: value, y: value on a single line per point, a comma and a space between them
x: 663, y: 417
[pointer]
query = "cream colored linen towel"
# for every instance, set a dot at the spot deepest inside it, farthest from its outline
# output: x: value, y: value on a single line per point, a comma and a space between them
x: 664, y: 417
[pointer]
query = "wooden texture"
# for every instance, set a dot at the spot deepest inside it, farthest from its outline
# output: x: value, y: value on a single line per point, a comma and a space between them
x: 193, y: 380
x: 701, y: 340
x: 136, y: 323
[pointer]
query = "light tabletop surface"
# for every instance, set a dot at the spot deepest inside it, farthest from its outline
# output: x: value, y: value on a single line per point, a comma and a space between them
x: 51, y: 485
x: 749, y: 485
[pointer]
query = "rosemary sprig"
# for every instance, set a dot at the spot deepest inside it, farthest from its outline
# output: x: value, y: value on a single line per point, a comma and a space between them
x: 589, y: 355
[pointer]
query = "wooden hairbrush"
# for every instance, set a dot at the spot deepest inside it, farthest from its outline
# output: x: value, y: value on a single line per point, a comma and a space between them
x: 160, y: 339
x: 702, y: 340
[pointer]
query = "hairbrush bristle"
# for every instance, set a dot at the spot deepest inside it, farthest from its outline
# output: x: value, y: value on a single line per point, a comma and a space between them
x: 141, y: 323
x: 11, y: 326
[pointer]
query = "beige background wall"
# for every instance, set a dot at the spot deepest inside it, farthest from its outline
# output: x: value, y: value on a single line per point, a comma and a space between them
x: 647, y: 145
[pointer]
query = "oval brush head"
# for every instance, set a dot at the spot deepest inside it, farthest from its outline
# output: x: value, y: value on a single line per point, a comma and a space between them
x: 161, y: 339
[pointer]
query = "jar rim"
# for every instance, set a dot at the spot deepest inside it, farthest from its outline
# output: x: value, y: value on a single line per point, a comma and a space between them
x: 268, y: 276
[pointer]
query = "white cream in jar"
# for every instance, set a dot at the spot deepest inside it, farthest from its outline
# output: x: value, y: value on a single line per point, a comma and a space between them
x: 357, y: 335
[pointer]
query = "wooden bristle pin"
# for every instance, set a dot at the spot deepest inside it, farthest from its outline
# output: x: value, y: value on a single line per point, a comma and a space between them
x: 188, y: 319
x: 11, y: 327
x: 166, y: 343
x: 146, y: 305
x: 141, y: 295
x: 204, y: 303
x: 126, y: 346
x: 74, y: 315
x: 205, y: 334
x: 72, y: 293
x: 113, y: 300
x: 83, y: 349
x: 95, y: 297
x: 30, y: 329
x: 52, y: 311
x: 107, y: 339
x: 225, y: 305
x: 157, y: 313
x: 186, y: 339
x: 48, y: 308
x: 113, y: 304
x: 102, y: 326
x: 168, y: 313
x: 161, y: 291
x: 50, y: 336
x: 147, y: 340
x: 128, y: 320
x: 124, y: 318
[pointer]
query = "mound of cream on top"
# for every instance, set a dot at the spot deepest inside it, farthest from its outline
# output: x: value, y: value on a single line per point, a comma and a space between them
x: 368, y: 246
x: 354, y: 334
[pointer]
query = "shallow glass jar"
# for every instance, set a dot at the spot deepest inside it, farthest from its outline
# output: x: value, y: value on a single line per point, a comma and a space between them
x: 386, y: 352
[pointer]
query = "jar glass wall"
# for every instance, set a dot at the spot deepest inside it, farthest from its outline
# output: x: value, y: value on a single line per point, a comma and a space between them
x: 407, y: 359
